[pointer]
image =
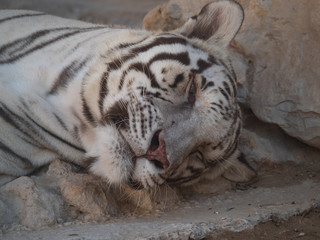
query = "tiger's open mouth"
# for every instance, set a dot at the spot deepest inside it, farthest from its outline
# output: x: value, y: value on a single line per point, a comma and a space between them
x: 156, y: 155
x: 156, y: 152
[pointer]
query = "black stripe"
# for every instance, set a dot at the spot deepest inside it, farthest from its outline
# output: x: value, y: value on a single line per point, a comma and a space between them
x: 126, y: 45
x: 21, y: 16
x: 234, y: 144
x: 202, y: 65
x: 8, y: 116
x: 181, y: 180
x: 231, y: 71
x: 86, y: 112
x: 143, y: 132
x: 213, y: 60
x: 209, y: 84
x: 155, y: 95
x: 52, y: 134
x: 63, y: 125
x: 233, y: 83
x: 122, y: 79
x: 227, y: 87
x: 150, y: 117
x: 180, y: 57
x: 203, y: 81
x: 238, y: 131
x: 213, y: 163
x: 117, y: 63
x: 231, y: 149
x: 214, y: 109
x: 11, y: 48
x: 117, y: 115
x: 157, y: 42
x: 17, y: 121
x: 219, y: 145
x: 103, y: 90
x: 145, y: 68
x: 224, y: 93
x: 218, y: 105
x: 66, y: 75
x: 179, y: 78
x: 193, y: 170
x: 27, y: 40
x: 4, y: 115
x: 141, y: 67
x: 8, y: 151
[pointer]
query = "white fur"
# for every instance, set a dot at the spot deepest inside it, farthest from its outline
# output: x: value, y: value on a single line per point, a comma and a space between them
x: 26, y: 83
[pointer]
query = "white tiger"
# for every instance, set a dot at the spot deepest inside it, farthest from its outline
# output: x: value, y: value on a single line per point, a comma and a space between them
x: 132, y: 106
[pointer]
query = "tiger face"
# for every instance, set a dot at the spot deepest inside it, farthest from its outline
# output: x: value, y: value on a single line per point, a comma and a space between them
x: 169, y: 104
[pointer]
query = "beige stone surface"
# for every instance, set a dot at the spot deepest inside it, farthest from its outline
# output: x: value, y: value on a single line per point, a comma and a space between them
x: 24, y: 201
x: 172, y: 15
x: 201, y: 217
x: 282, y: 38
x: 87, y: 197
x: 63, y: 193
x: 268, y: 142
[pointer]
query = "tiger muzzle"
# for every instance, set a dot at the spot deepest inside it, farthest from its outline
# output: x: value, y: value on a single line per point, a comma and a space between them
x: 157, y: 153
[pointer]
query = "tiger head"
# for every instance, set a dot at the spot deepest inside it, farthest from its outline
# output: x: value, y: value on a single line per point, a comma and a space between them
x: 171, y: 113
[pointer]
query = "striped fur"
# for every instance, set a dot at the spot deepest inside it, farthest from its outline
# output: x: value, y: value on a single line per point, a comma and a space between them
x: 133, y: 106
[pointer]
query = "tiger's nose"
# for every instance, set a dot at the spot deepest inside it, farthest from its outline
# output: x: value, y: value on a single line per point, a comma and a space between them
x: 157, y: 152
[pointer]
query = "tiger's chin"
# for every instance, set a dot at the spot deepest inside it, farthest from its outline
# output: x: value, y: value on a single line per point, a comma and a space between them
x: 138, y: 173
x: 114, y: 172
x: 146, y: 175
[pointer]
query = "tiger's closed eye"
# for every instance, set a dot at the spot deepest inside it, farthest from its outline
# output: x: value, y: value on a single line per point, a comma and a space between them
x: 192, y: 92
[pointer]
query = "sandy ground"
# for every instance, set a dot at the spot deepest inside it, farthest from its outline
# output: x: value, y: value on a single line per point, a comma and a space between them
x: 305, y: 226
x: 283, y: 204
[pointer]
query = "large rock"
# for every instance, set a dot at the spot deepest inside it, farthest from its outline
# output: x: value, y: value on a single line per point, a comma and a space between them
x: 25, y: 202
x: 172, y: 14
x: 57, y: 195
x: 86, y: 196
x: 261, y: 143
x: 62, y: 193
x: 282, y: 39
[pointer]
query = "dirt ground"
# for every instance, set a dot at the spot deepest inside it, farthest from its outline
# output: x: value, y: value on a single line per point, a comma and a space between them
x: 305, y: 226
x: 283, y: 204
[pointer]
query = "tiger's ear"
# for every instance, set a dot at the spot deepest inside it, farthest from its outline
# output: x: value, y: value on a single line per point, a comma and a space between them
x: 217, y: 23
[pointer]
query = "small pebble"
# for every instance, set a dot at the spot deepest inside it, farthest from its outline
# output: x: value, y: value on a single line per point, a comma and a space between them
x: 229, y: 209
